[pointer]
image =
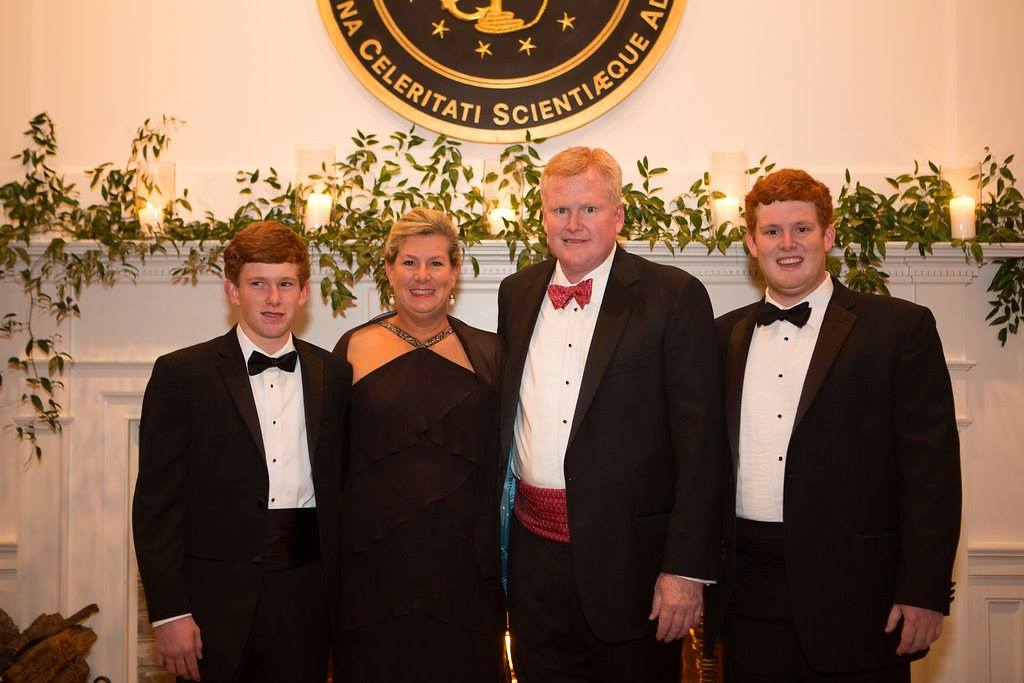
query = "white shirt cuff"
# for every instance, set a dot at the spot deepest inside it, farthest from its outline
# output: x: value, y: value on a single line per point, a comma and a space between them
x: 161, y: 622
x: 706, y: 582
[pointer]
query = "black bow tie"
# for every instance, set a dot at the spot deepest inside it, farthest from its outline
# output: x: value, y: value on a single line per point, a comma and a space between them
x: 768, y: 313
x: 258, y: 362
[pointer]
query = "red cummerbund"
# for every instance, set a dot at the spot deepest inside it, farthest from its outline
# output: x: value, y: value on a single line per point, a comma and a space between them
x: 543, y: 511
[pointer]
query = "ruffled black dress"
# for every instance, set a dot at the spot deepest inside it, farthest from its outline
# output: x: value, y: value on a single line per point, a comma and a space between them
x: 421, y: 592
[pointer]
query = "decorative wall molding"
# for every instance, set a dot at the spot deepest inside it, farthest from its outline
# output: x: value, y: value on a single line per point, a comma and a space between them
x: 996, y: 612
x: 944, y: 263
x: 102, y: 368
x: 9, y: 577
x: 996, y: 560
x: 8, y: 573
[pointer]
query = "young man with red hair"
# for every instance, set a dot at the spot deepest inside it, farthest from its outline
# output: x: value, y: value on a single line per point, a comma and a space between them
x: 844, y: 507
x: 236, y: 505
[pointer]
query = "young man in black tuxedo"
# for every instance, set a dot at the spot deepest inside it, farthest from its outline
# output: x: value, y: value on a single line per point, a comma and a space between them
x: 236, y: 505
x: 610, y: 414
x: 844, y: 524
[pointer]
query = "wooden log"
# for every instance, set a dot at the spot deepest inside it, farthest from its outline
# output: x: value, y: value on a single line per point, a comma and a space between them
x: 8, y: 633
x: 44, y: 626
x: 77, y: 671
x: 8, y: 629
x: 48, y: 658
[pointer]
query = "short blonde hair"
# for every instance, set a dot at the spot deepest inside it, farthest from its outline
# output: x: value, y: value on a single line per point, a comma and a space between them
x: 422, y: 221
x: 577, y: 160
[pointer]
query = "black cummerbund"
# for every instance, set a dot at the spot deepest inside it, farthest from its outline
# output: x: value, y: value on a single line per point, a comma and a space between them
x: 749, y: 528
x: 292, y: 538
x: 762, y: 542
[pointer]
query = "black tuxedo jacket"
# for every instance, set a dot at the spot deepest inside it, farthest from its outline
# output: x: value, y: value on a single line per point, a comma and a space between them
x: 642, y: 467
x: 200, y: 506
x: 872, y: 482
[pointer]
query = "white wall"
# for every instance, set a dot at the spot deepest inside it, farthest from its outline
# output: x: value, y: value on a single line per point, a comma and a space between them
x: 15, y: 110
x: 869, y: 85
x: 16, y: 76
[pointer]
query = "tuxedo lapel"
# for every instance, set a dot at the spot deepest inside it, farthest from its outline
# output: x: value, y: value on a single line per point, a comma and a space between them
x: 835, y: 327
x: 312, y: 369
x: 735, y: 370
x: 616, y: 307
x: 522, y: 319
x: 231, y: 366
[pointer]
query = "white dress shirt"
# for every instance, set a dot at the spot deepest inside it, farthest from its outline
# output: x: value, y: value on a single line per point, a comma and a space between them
x: 777, y: 364
x: 279, y: 404
x: 550, y: 386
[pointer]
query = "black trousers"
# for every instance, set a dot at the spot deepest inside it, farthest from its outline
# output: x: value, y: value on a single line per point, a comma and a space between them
x: 417, y: 647
x: 759, y: 638
x: 289, y: 638
x: 551, y: 640
x: 290, y: 635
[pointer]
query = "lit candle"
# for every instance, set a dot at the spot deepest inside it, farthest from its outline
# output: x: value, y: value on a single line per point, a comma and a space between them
x: 497, y: 217
x: 727, y: 209
x: 149, y: 215
x: 318, y: 210
x: 961, y: 217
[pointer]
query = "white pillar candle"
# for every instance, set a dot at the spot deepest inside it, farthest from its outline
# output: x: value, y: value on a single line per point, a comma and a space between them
x: 150, y: 215
x: 961, y: 217
x: 727, y: 209
x: 318, y: 210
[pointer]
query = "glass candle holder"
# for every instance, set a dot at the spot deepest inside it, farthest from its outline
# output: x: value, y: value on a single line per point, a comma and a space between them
x: 314, y: 179
x: 154, y: 193
x: 728, y: 178
x: 965, y: 186
x: 502, y: 190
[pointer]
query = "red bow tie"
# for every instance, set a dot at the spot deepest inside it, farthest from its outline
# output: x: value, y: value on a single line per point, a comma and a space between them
x: 560, y: 296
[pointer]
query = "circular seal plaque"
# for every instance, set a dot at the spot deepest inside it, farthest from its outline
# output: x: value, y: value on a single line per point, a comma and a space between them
x: 491, y: 70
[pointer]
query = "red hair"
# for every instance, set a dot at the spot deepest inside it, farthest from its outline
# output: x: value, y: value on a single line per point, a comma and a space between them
x: 265, y: 242
x: 789, y: 185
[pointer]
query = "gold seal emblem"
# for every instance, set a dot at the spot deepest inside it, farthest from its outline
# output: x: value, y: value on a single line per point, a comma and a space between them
x: 491, y: 70
x: 493, y: 18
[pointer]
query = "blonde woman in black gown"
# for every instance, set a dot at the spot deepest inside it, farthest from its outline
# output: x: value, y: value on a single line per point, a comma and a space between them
x: 421, y: 593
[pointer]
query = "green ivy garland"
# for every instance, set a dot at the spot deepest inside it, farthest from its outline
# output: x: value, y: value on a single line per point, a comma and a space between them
x: 377, y: 182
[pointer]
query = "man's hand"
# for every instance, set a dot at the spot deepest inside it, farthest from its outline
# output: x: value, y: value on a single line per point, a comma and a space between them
x: 921, y: 627
x: 677, y: 606
x: 179, y: 647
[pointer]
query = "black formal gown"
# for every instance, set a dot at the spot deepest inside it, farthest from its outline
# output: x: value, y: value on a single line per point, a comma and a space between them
x: 421, y: 592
